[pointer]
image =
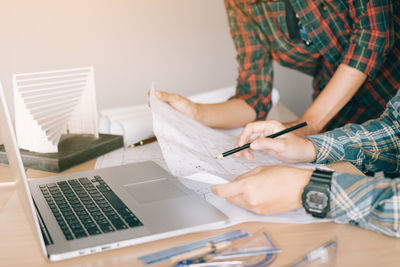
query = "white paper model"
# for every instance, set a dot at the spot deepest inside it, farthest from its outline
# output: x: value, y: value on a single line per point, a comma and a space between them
x: 49, y: 104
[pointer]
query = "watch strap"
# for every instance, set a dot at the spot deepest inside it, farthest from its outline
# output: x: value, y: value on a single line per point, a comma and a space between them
x: 322, y: 176
x: 322, y: 179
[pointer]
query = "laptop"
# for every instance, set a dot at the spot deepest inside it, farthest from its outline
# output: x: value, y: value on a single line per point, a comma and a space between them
x: 88, y: 212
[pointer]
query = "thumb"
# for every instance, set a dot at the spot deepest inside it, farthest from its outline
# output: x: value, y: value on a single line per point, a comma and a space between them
x: 159, y: 94
x: 228, y: 190
x: 166, y: 97
x: 276, y: 145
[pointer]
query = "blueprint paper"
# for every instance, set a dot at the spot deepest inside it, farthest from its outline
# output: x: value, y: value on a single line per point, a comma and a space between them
x: 124, y: 156
x: 189, y: 146
x: 189, y: 149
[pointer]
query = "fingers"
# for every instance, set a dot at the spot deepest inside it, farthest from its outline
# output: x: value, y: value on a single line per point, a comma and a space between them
x: 167, y: 97
x: 248, y: 155
x: 259, y: 129
x: 236, y: 187
x: 250, y: 130
x: 277, y: 145
x: 164, y: 96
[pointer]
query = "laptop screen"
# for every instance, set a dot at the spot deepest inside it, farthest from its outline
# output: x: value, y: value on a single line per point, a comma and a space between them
x: 14, y: 158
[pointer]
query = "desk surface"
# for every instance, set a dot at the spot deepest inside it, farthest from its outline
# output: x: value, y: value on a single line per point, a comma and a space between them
x: 356, y: 247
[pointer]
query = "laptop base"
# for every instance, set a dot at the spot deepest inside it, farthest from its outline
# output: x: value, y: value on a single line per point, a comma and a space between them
x: 73, y: 149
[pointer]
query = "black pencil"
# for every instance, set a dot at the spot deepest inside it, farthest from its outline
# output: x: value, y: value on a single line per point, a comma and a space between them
x: 232, y: 151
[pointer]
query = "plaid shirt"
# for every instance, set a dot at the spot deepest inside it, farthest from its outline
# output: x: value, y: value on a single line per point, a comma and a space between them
x: 359, y: 33
x: 368, y: 202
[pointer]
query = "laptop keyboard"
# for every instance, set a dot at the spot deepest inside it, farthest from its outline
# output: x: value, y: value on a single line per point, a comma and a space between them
x: 84, y: 207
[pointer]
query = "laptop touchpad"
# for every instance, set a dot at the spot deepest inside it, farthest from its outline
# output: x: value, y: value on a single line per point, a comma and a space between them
x: 155, y: 190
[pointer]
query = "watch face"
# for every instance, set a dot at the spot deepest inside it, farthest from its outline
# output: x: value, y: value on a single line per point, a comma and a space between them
x: 316, y: 200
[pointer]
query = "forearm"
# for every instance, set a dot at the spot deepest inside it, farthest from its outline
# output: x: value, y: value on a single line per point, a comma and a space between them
x: 371, y: 146
x: 367, y: 202
x: 339, y: 90
x: 230, y: 114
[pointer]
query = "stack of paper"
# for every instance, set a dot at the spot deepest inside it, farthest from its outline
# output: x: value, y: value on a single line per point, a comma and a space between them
x: 134, y: 123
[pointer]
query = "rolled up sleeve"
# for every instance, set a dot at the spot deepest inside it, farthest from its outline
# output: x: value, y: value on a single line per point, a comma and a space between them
x: 371, y: 146
x: 366, y: 202
x: 254, y: 82
x: 372, y: 35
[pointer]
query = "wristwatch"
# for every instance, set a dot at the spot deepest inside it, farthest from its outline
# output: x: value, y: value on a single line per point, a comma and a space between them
x: 316, y: 195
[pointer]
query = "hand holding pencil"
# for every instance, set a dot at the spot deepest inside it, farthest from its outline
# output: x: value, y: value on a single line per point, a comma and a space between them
x: 286, y: 146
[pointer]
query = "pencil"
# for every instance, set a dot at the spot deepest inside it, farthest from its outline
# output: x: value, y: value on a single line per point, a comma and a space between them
x: 143, y: 142
x: 232, y: 151
x: 209, y: 248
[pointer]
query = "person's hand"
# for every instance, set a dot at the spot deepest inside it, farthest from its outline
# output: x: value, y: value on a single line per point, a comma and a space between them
x: 178, y: 102
x: 289, y: 147
x: 267, y: 190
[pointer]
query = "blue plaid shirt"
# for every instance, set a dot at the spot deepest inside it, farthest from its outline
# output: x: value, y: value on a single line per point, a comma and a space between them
x: 368, y: 202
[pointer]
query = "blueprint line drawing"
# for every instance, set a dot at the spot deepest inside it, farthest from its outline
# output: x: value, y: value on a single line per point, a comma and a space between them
x: 189, y: 146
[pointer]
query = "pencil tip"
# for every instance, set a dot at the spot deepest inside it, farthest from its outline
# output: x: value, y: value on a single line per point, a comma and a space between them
x: 219, y: 156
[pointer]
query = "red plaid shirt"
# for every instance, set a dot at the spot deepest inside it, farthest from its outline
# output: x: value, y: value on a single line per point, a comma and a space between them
x: 363, y: 34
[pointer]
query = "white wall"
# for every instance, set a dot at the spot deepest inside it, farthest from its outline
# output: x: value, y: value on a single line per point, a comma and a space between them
x: 184, y: 45
x: 295, y: 88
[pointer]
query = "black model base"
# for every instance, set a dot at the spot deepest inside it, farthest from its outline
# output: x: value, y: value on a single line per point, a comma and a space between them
x: 73, y: 149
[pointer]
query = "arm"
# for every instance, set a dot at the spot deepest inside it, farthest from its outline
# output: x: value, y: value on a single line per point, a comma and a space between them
x: 233, y: 113
x: 371, y: 39
x: 230, y: 114
x: 340, y: 89
x: 367, y: 202
x: 254, y: 82
x: 372, y: 146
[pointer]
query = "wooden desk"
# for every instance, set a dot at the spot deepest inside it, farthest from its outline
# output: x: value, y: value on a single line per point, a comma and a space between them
x: 356, y: 247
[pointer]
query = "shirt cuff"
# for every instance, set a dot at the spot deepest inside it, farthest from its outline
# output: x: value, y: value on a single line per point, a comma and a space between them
x: 328, y: 147
x: 363, y: 59
x: 347, y: 204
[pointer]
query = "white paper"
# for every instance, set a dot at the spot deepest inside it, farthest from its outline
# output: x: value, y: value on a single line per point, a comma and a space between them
x: 124, y: 156
x: 190, y: 147
x: 206, y: 178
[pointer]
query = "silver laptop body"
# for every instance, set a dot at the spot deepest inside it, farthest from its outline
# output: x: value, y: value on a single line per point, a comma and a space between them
x: 87, y: 212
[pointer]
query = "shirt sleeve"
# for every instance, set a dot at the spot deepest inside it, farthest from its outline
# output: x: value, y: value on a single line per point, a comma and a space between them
x: 254, y: 82
x: 372, y: 35
x: 372, y: 146
x: 366, y: 202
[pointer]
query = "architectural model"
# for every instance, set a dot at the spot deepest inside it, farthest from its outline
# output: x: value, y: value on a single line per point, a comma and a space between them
x: 50, y: 104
